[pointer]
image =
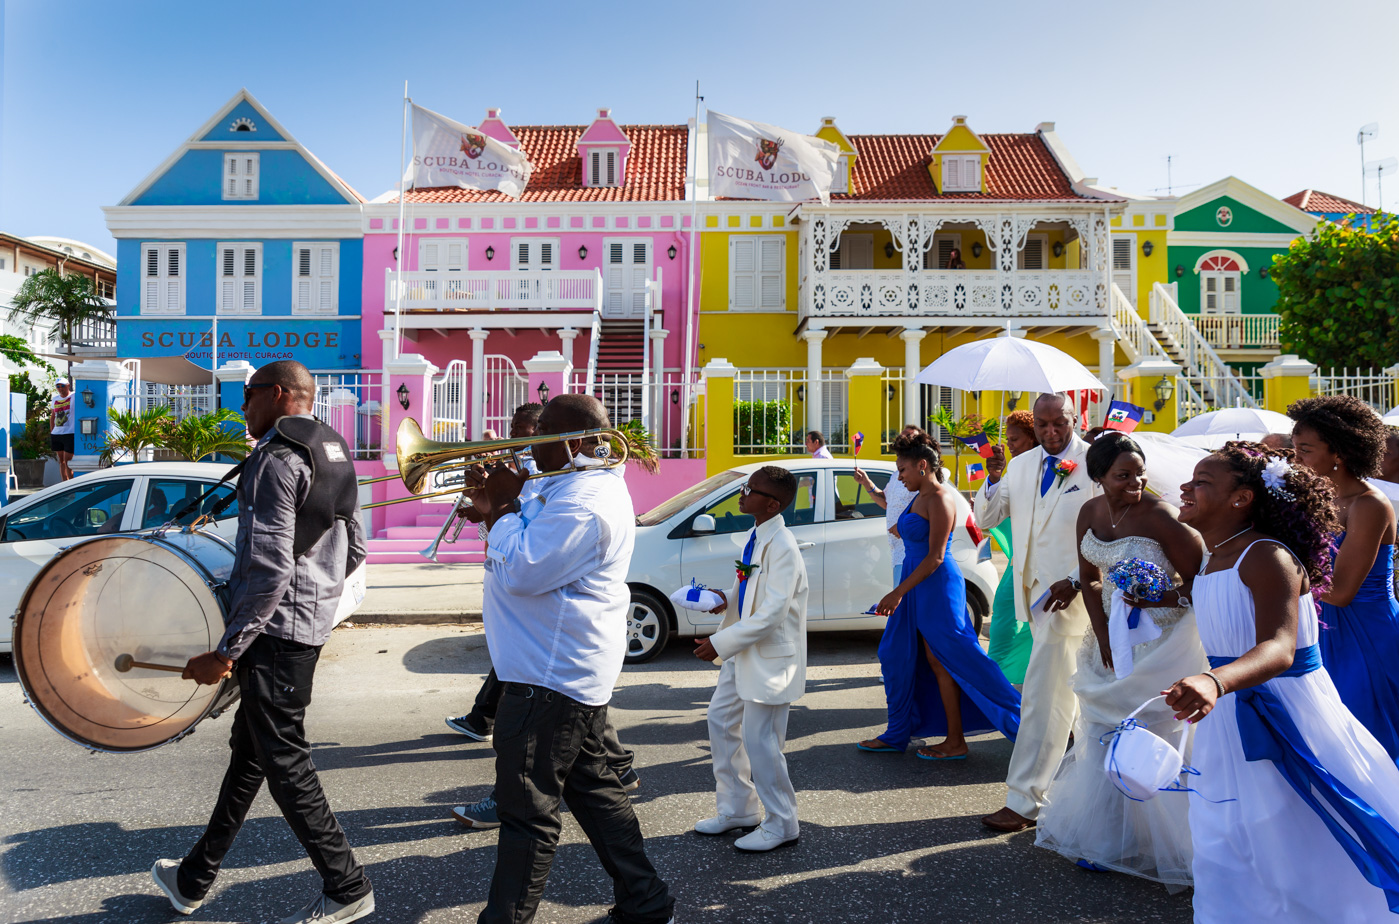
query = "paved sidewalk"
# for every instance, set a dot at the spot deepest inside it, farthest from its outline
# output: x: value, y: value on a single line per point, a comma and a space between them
x: 421, y: 594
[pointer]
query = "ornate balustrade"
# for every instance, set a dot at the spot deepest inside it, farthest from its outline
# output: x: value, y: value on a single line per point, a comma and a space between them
x: 489, y: 290
x: 1239, y: 331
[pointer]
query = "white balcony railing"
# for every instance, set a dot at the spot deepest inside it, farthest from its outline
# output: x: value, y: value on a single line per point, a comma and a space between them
x: 956, y: 293
x: 1239, y: 331
x: 489, y: 290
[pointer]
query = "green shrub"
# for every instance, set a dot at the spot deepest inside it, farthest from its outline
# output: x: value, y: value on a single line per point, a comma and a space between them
x: 762, y: 427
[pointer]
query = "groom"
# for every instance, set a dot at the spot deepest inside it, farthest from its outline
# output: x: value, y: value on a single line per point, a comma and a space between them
x: 1041, y: 491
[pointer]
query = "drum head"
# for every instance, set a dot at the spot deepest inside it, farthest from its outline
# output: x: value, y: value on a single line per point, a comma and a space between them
x: 151, y: 599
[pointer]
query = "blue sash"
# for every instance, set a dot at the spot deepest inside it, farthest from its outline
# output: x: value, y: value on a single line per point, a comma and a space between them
x: 1268, y: 733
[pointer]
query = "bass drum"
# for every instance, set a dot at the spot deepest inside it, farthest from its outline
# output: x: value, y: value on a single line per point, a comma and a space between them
x: 158, y: 599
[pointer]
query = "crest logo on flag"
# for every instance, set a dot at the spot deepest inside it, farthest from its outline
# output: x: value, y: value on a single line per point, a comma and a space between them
x: 767, y: 152
x: 473, y: 145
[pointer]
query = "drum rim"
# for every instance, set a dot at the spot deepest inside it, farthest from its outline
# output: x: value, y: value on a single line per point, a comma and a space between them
x: 154, y: 537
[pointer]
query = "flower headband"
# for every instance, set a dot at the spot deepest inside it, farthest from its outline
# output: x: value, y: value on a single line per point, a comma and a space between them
x: 1275, y: 479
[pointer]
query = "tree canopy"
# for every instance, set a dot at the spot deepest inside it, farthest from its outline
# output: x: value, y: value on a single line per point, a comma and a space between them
x: 1338, y: 294
x: 66, y: 299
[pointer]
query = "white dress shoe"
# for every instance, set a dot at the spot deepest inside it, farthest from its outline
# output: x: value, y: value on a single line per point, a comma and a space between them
x: 761, y: 840
x: 721, y: 823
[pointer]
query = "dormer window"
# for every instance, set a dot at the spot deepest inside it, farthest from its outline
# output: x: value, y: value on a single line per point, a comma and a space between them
x: 841, y: 183
x: 240, y: 175
x: 961, y: 173
x: 603, y: 166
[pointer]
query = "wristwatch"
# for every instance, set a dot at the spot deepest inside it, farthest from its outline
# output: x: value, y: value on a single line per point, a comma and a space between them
x: 1077, y: 585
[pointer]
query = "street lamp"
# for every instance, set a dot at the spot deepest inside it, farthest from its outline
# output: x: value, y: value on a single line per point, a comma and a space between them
x: 543, y: 391
x: 1165, y: 390
x: 1014, y: 397
x: 403, y: 395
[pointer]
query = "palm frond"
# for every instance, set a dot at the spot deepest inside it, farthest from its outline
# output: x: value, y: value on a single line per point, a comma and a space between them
x: 639, y: 447
x: 133, y: 431
x: 199, y: 436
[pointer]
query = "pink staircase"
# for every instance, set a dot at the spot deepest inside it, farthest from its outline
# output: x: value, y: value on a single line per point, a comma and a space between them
x: 402, y: 544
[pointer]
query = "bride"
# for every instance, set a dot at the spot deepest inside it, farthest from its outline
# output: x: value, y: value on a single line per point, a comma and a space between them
x: 1087, y: 819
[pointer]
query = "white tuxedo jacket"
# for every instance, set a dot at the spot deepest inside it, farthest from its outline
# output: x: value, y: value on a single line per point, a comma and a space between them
x: 1042, y: 529
x: 767, y: 641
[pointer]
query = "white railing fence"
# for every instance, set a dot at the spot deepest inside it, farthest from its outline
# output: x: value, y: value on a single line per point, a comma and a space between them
x: 891, y: 388
x: 506, y: 389
x: 1373, y: 386
x: 1239, y: 331
x: 1217, y: 381
x: 769, y: 411
x: 451, y: 402
x: 495, y: 290
x: 349, y: 403
x: 1132, y: 333
x: 182, y: 400
x: 671, y: 402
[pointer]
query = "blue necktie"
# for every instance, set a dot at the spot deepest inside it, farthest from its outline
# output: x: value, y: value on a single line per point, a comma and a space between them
x: 747, y: 560
x: 1048, y: 479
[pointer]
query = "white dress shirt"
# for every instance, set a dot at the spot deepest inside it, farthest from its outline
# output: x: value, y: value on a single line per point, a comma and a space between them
x: 822, y: 453
x: 556, y: 597
x: 896, y: 501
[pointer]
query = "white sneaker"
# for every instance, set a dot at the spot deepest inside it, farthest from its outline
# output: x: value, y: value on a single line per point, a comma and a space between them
x: 721, y: 823
x: 762, y: 840
x: 164, y: 874
x: 325, y: 910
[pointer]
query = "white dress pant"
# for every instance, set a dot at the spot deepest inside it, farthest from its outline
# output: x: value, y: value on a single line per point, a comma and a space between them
x: 750, y: 772
x: 1048, y: 707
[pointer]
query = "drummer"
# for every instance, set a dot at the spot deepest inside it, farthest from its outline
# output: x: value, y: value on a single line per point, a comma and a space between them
x: 281, y: 609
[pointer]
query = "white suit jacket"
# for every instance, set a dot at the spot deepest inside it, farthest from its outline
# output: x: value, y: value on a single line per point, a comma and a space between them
x: 1043, y: 529
x: 767, y: 641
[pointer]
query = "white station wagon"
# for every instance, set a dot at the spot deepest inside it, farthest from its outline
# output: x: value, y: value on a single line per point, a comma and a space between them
x: 699, y: 534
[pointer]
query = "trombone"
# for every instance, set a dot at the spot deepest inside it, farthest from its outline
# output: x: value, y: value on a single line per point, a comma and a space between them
x: 419, y: 457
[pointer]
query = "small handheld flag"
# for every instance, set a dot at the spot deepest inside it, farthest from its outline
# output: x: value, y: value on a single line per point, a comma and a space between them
x: 1122, y: 416
x: 859, y: 441
x: 979, y: 442
x: 975, y: 471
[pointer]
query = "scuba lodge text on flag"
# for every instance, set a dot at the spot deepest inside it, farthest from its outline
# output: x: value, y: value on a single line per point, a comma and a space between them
x: 751, y: 160
x: 448, y: 153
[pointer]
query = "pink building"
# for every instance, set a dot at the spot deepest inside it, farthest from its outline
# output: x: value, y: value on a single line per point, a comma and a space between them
x: 580, y: 284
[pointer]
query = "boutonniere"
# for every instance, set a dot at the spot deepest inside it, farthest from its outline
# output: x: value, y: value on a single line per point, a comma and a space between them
x: 1064, y: 469
x: 744, y: 571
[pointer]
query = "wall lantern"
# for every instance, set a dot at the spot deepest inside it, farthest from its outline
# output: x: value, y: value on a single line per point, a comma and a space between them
x: 1263, y: 272
x: 1013, y: 399
x: 395, y: 255
x: 891, y: 392
x: 976, y: 395
x: 543, y: 391
x: 1165, y: 390
x: 889, y: 250
x: 89, y: 400
x: 1058, y: 248
x: 582, y: 253
x: 403, y: 395
x: 490, y: 253
x: 675, y: 396
x: 671, y: 251
x: 801, y: 392
x: 1147, y: 248
x: 1180, y: 271
x: 976, y: 249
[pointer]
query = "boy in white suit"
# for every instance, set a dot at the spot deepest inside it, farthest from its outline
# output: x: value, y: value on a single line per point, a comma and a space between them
x: 762, y: 642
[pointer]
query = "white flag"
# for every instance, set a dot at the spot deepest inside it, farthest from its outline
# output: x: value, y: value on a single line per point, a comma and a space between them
x: 751, y: 160
x: 448, y: 153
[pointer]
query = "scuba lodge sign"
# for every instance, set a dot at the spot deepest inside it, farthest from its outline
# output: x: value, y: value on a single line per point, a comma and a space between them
x: 751, y: 160
x: 318, y: 344
x: 448, y: 153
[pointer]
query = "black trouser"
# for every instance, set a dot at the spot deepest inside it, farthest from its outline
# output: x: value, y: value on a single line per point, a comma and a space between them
x: 549, y: 747
x: 483, y: 712
x: 269, y: 742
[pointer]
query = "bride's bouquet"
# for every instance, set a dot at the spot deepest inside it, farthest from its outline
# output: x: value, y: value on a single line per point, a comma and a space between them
x: 1144, y: 580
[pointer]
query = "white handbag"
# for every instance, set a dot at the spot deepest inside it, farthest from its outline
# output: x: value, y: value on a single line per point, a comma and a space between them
x: 1139, y: 762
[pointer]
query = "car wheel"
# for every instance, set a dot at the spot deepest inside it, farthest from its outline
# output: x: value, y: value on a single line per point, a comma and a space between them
x: 648, y: 627
x: 976, y: 605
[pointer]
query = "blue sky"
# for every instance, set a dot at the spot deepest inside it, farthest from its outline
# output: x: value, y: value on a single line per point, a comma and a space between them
x: 97, y: 94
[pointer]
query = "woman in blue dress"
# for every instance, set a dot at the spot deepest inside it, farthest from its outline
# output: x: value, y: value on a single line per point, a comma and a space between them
x: 1342, y: 439
x: 937, y: 679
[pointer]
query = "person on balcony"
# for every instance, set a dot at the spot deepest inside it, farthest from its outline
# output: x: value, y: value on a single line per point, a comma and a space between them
x: 954, y: 260
x: 816, y: 445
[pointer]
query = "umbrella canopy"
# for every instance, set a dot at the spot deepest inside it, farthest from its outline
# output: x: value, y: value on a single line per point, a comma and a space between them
x: 1213, y: 429
x: 174, y: 370
x: 1391, y: 419
x: 1008, y: 364
x: 1169, y: 463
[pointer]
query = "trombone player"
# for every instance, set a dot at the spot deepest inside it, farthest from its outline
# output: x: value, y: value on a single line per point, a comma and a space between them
x: 555, y: 617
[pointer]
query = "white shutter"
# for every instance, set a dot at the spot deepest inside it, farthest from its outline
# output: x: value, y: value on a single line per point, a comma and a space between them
x: 315, y: 277
x: 441, y: 254
x: 838, y: 255
x: 240, y: 278
x: 456, y: 255
x: 611, y: 168
x: 951, y: 173
x: 936, y: 257
x: 1122, y: 254
x: 743, y: 260
x: 640, y: 272
x: 1032, y: 254
x: 546, y: 255
x: 1231, y: 293
x: 1211, y: 282
x: 162, y: 279
x: 971, y: 173
x: 240, y: 176
x: 429, y: 259
x: 771, y: 276
x: 616, y: 276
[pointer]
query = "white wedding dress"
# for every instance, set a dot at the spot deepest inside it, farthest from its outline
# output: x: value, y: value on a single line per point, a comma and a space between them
x: 1086, y: 817
x: 1265, y: 855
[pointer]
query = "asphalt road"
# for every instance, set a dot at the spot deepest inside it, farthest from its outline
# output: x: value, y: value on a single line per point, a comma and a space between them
x: 884, y: 838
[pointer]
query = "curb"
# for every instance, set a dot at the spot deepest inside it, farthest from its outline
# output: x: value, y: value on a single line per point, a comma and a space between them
x: 415, y: 619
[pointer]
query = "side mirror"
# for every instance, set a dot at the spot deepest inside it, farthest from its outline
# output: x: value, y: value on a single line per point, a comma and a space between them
x: 703, y: 525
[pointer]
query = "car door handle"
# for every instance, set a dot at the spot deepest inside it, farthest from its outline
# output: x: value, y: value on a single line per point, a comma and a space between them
x: 803, y: 546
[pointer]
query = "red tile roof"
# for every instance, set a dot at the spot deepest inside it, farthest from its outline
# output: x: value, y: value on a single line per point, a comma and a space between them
x: 655, y: 168
x: 896, y: 167
x: 1312, y: 200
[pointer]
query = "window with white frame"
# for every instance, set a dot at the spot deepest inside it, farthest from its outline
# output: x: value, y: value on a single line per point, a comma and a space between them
x: 626, y: 270
x: 442, y: 254
x: 240, y: 278
x: 240, y: 173
x: 315, y: 276
x: 1219, y: 292
x: 162, y: 278
x: 758, y: 272
x: 841, y: 183
x: 1124, y: 265
x: 1034, y: 255
x: 532, y: 253
x: 604, y: 167
x: 961, y: 173
x: 936, y: 257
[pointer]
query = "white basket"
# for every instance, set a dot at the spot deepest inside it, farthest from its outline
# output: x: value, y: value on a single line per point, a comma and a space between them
x: 1140, y: 762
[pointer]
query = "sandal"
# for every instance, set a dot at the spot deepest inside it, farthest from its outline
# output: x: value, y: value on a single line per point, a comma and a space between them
x: 935, y: 754
x: 882, y: 749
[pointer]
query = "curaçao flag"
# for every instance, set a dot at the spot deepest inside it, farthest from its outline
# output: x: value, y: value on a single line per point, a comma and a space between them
x: 975, y: 471
x: 979, y: 442
x: 1123, y: 416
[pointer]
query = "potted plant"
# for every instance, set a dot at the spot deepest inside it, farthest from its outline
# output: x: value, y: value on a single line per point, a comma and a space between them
x: 32, y: 451
x: 639, y: 448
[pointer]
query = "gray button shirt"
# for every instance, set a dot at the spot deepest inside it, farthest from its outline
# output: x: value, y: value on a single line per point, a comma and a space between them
x: 271, y: 591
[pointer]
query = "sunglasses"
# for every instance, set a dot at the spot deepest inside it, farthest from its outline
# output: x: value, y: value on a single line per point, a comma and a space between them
x: 749, y: 489
x: 248, y: 389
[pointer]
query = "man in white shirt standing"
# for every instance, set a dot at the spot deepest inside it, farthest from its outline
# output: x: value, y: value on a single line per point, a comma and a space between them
x: 61, y: 429
x: 816, y: 445
x: 555, y: 622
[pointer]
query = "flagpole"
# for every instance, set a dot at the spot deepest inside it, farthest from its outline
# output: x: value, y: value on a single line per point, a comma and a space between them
x: 690, y: 295
x: 214, y: 361
x: 398, y: 251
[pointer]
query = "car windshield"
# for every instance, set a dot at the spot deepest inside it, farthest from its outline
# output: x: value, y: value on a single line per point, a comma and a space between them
x: 679, y: 502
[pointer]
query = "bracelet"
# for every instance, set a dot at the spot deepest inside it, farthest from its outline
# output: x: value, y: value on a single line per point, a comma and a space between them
x: 1217, y: 682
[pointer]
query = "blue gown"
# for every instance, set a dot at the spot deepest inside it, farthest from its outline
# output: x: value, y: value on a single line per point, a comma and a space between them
x: 1360, y: 648
x: 936, y: 610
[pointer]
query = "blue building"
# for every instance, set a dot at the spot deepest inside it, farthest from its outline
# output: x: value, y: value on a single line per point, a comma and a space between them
x: 244, y: 231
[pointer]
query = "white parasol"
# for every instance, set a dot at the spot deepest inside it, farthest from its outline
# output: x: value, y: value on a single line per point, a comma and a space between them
x: 1212, y: 429
x: 1008, y: 364
x: 1391, y: 418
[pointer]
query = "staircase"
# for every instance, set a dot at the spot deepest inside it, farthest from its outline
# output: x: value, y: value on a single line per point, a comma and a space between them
x: 403, y: 544
x: 1211, y: 378
x: 621, y: 365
